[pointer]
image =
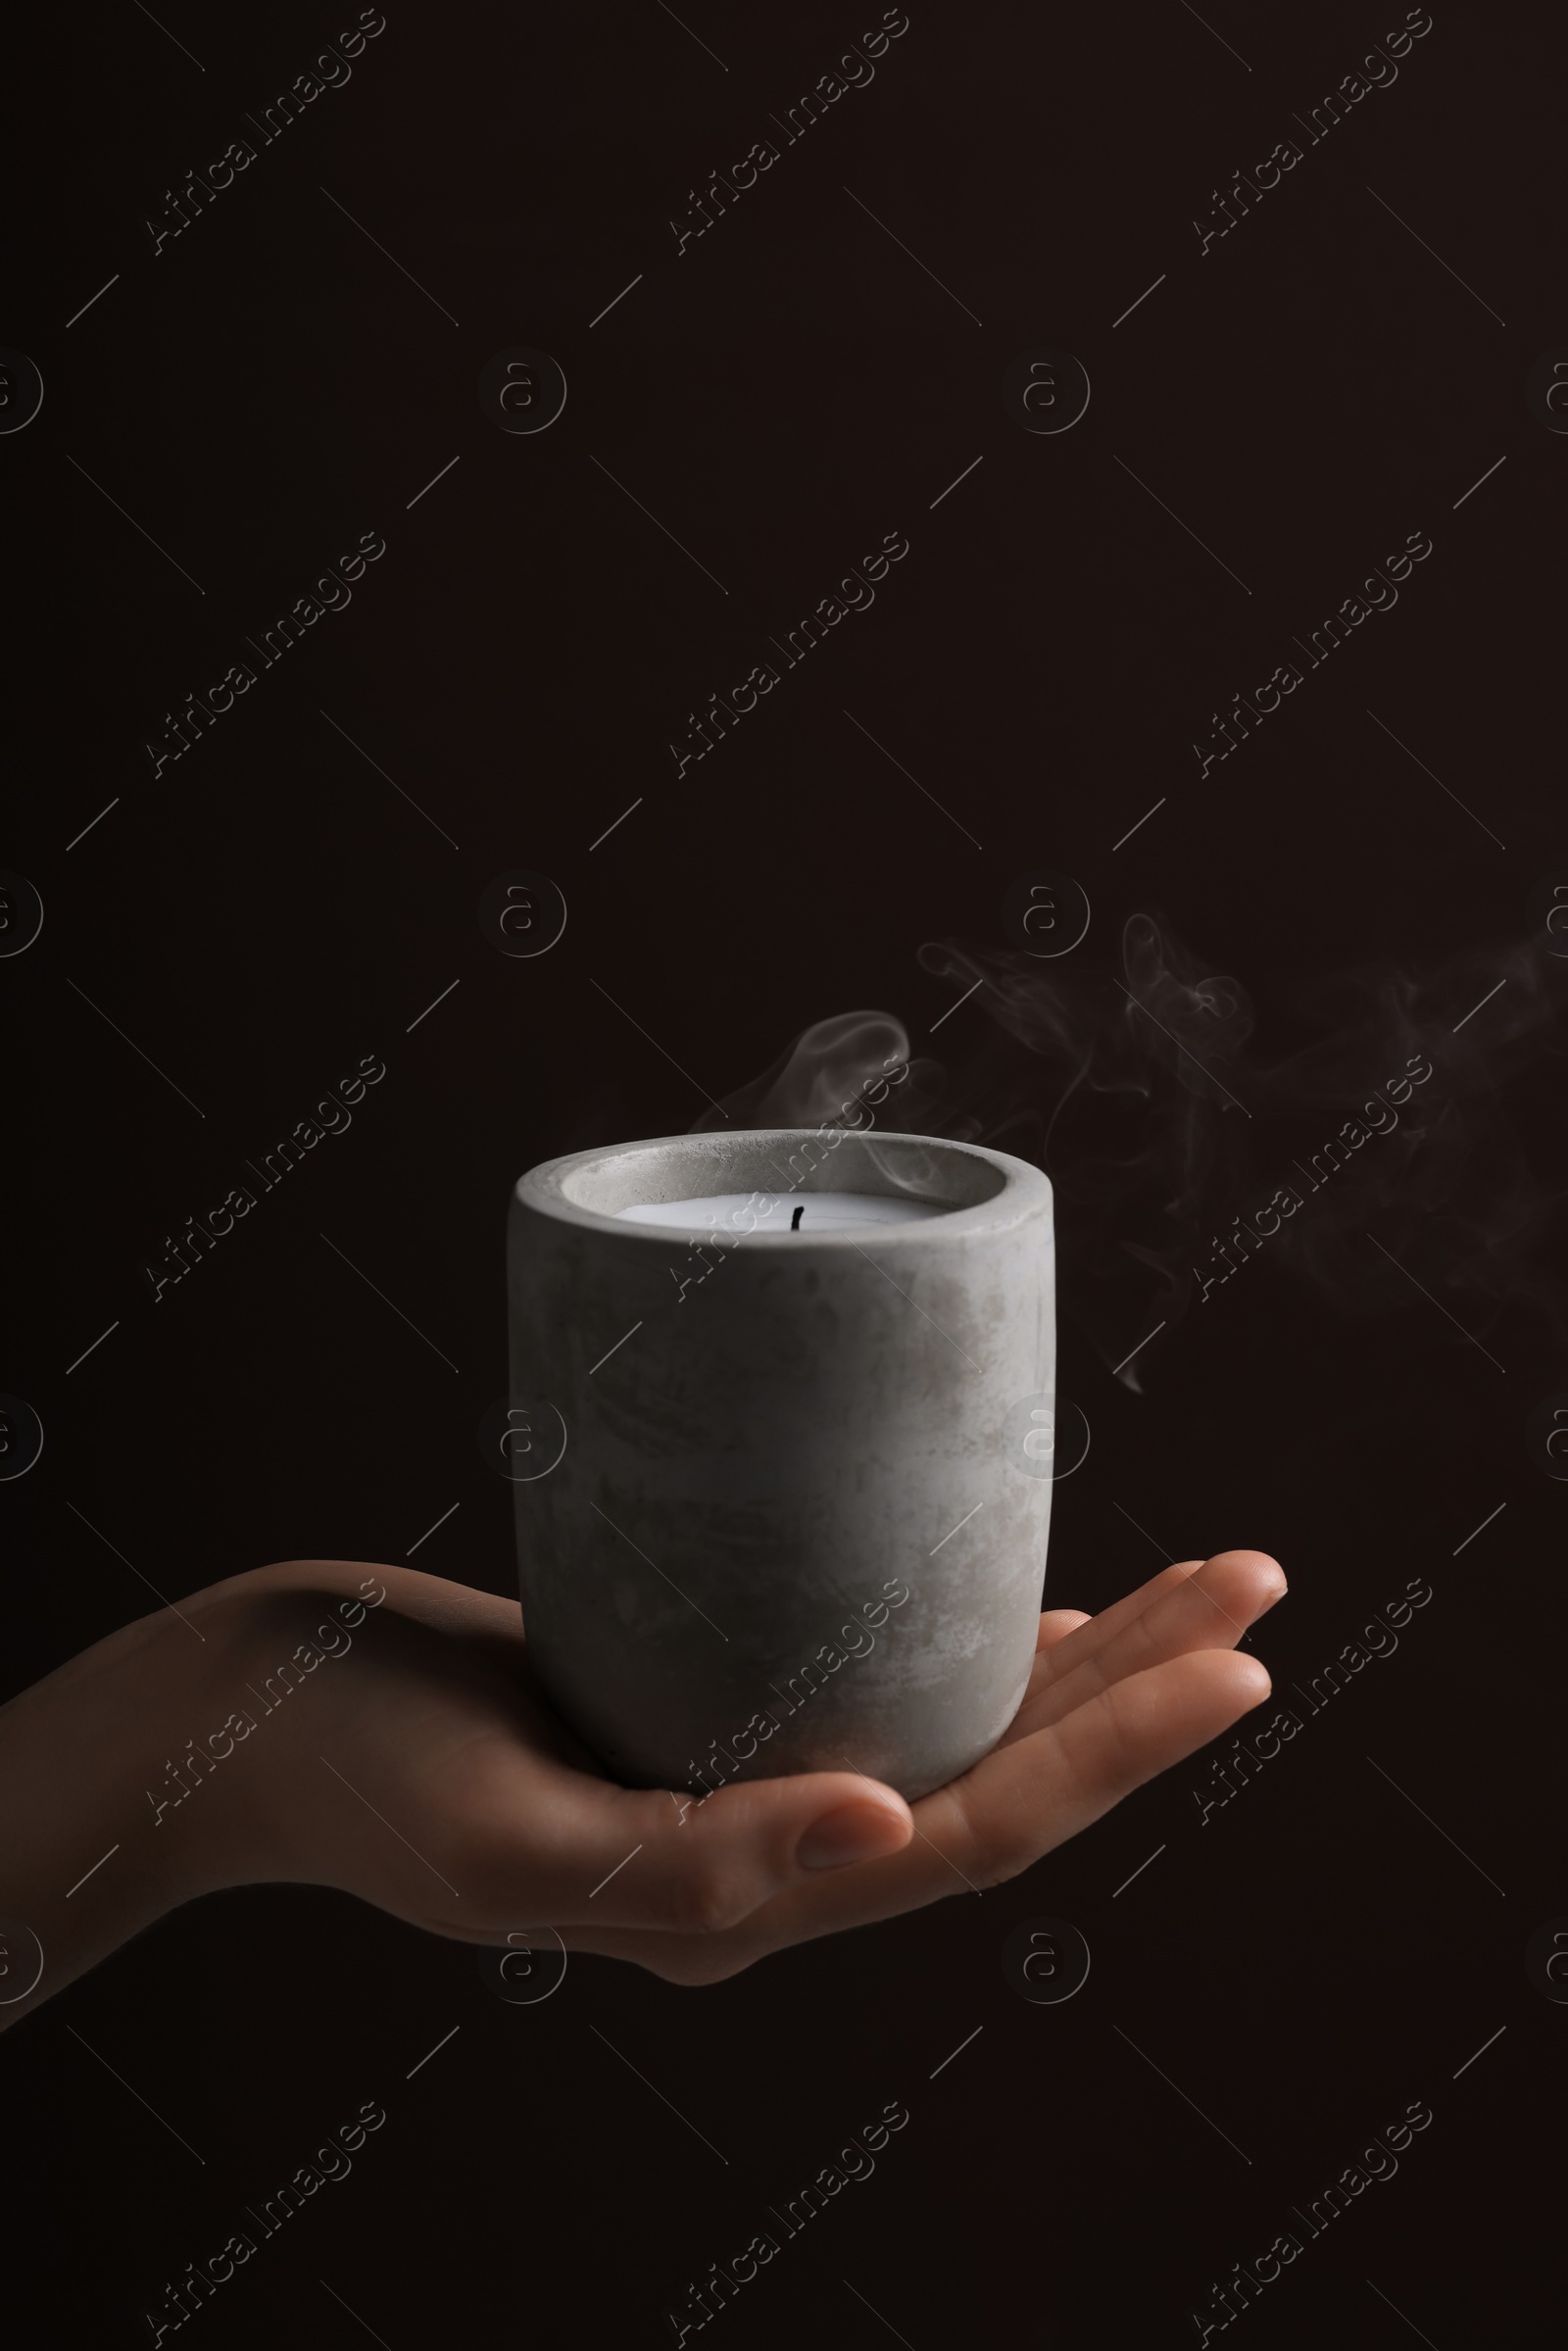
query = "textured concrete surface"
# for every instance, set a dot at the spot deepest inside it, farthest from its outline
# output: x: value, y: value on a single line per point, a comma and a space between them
x: 710, y: 1576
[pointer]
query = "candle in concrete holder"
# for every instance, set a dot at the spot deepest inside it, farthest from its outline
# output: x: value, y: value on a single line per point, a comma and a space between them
x: 795, y: 1525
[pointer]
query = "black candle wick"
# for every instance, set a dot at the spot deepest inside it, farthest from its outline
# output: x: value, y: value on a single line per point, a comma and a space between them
x: 795, y: 1220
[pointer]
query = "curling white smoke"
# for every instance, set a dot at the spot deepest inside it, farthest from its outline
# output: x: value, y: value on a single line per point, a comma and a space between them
x: 1141, y: 1092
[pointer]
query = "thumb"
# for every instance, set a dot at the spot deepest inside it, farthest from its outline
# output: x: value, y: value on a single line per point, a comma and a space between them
x: 706, y: 1864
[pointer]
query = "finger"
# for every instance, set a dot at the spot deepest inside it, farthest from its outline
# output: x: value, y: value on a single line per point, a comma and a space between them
x: 1056, y: 1625
x: 591, y: 1854
x: 1210, y: 1609
x: 1002, y: 1816
x: 1111, y: 1621
x: 1022, y: 1801
x: 1053, y: 1658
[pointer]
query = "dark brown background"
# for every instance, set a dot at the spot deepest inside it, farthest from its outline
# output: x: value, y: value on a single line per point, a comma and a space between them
x: 269, y: 911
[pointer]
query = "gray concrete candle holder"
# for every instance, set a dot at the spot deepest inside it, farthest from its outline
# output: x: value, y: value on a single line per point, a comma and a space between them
x: 793, y: 1514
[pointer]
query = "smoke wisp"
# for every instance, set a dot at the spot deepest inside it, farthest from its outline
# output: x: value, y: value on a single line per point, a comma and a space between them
x: 1404, y: 1144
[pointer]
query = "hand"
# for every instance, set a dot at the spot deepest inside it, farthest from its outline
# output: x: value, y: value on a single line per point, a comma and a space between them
x: 1113, y: 1701
x: 441, y: 1732
x: 415, y: 1765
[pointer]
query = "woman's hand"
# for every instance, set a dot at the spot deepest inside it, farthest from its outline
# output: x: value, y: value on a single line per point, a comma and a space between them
x: 414, y: 1764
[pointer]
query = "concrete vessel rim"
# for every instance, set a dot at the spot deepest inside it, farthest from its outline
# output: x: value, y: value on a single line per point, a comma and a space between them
x: 1022, y: 1190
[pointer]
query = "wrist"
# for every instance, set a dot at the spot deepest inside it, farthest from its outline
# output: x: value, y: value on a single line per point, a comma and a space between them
x: 230, y: 1793
x: 125, y: 1785
x: 81, y: 1872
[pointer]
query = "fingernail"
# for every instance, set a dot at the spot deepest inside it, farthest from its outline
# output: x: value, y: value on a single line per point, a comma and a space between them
x: 1272, y: 1601
x: 853, y: 1833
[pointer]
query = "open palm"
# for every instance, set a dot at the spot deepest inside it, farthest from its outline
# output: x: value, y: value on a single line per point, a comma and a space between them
x: 425, y: 1774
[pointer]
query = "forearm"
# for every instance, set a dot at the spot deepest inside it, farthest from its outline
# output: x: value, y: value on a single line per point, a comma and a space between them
x: 118, y: 1800
x: 79, y: 1869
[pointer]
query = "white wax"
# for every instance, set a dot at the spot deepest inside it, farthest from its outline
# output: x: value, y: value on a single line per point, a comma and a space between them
x: 775, y: 1211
